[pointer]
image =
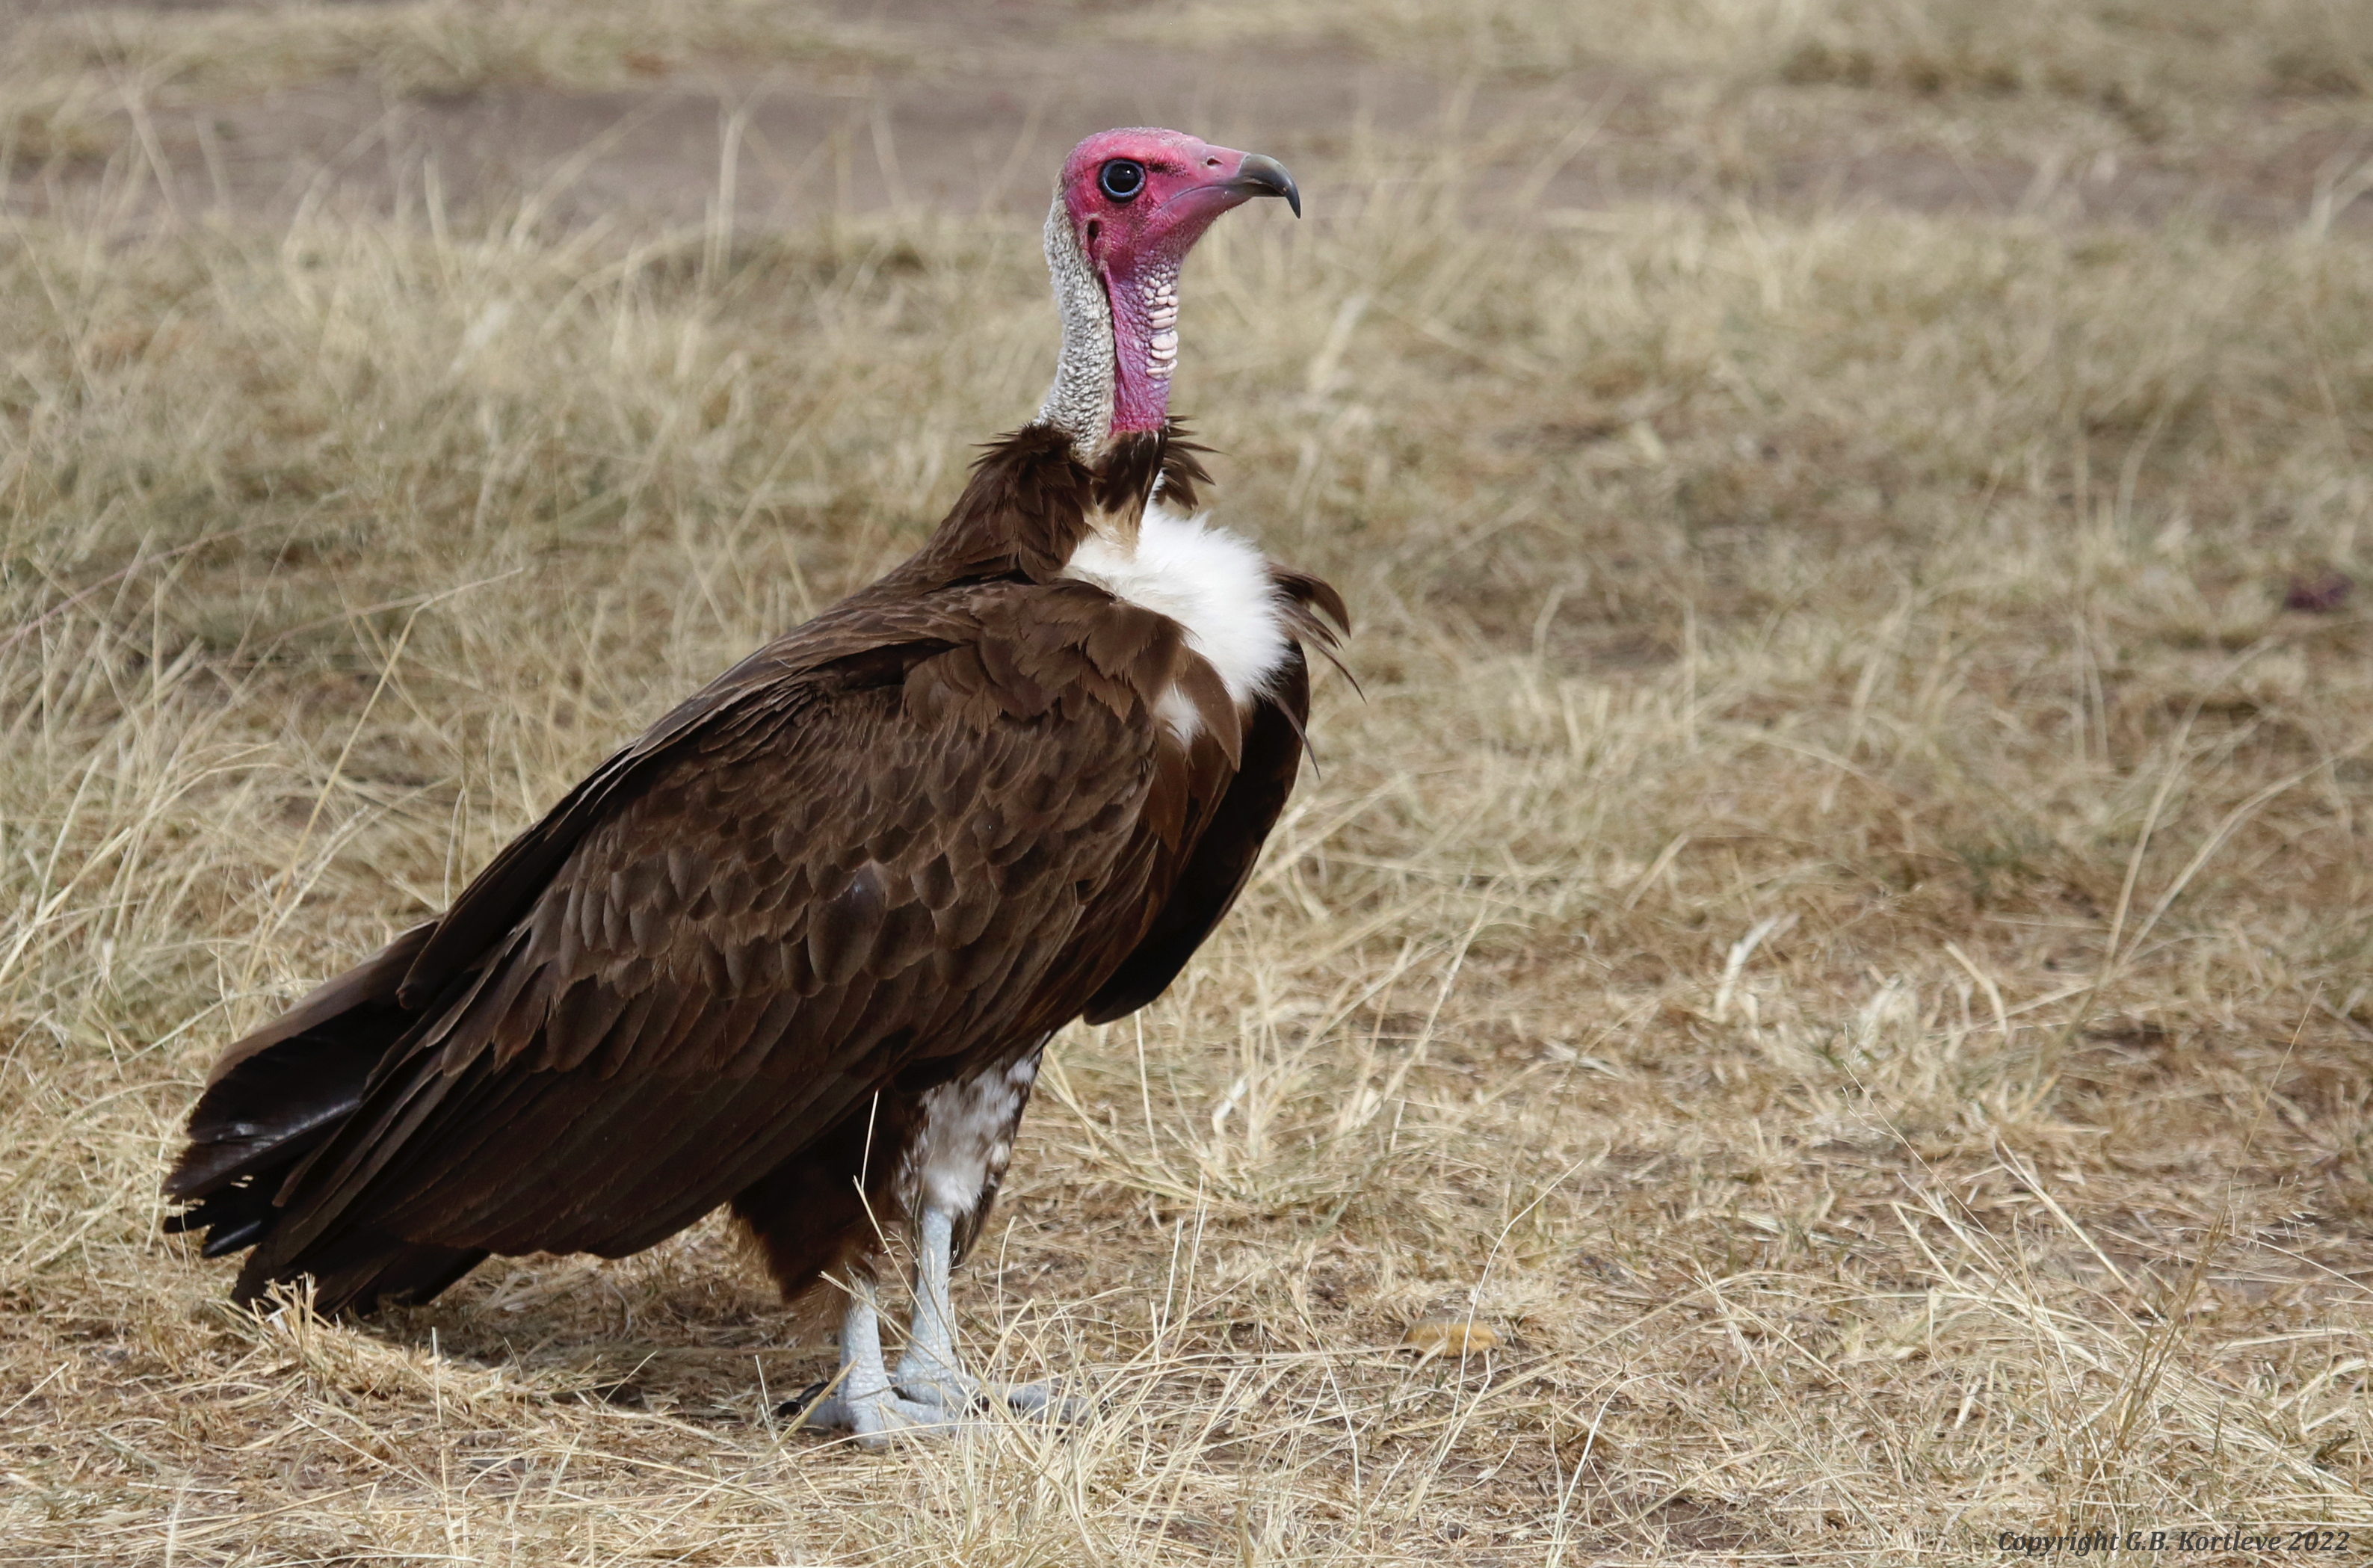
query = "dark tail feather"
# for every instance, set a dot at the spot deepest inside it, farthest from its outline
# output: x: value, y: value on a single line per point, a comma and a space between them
x: 265, y: 1117
x: 273, y: 1107
x: 363, y: 1269
x: 273, y: 1100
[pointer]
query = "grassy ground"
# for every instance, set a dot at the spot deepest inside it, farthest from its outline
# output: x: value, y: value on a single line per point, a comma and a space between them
x: 1840, y: 929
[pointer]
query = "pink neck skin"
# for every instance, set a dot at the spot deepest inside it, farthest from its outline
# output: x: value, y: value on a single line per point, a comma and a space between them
x: 1144, y: 310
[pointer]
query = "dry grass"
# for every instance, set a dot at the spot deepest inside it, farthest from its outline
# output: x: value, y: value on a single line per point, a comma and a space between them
x: 2029, y: 93
x: 1842, y: 927
x: 2078, y: 47
x: 81, y: 85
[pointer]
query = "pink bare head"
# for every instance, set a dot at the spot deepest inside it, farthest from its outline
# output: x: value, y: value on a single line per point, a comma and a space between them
x: 1137, y: 201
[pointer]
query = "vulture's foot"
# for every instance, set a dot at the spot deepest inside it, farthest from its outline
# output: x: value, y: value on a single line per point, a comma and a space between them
x: 873, y: 1418
x: 934, y: 1377
x: 1044, y: 1402
x: 930, y: 1392
x: 960, y: 1392
x: 931, y: 1410
x: 927, y: 1394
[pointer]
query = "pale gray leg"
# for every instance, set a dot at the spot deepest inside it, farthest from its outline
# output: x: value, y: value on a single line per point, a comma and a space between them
x: 931, y: 1369
x: 866, y: 1403
x: 931, y: 1389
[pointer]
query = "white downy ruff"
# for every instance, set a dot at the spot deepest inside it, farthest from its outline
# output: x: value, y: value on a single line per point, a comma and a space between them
x: 1209, y: 581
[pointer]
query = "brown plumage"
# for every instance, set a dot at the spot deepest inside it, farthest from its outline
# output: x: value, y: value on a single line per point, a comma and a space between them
x: 916, y: 835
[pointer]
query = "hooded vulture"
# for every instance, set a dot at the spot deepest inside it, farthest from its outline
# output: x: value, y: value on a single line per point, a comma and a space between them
x: 798, y: 948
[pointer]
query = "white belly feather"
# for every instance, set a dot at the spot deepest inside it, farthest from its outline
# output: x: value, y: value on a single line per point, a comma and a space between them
x: 1212, y: 583
x: 959, y: 1154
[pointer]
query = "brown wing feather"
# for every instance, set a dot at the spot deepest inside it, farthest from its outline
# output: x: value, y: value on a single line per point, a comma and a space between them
x: 1206, y: 885
x: 762, y: 924
x: 1193, y: 903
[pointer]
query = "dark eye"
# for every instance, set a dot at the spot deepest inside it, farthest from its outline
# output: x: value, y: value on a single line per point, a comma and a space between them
x: 1122, y: 179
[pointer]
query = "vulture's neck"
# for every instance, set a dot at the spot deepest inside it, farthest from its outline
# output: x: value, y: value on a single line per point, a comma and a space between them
x: 1080, y: 404
x: 1112, y: 378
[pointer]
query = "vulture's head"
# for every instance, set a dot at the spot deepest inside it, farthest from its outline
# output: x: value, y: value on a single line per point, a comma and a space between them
x: 1129, y: 205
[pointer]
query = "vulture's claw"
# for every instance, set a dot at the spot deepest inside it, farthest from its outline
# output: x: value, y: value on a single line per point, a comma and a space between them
x: 923, y: 1411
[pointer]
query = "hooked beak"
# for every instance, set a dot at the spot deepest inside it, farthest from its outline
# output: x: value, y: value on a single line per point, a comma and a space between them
x: 1261, y: 175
